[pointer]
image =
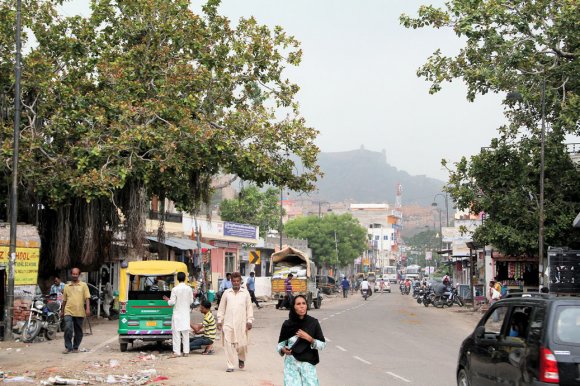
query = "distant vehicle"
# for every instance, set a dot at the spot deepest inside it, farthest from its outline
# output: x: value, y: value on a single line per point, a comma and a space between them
x: 390, y: 274
x: 371, y: 277
x: 413, y: 272
x: 386, y: 286
x: 524, y: 340
x: 301, y: 284
x: 327, y: 284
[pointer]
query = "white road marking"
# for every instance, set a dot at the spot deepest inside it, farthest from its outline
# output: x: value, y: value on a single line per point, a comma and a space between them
x: 324, y: 318
x: 341, y: 348
x: 326, y: 338
x: 331, y: 316
x: 398, y: 377
x: 362, y: 360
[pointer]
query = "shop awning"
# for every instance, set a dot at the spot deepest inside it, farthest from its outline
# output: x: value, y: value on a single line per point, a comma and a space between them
x: 182, y: 243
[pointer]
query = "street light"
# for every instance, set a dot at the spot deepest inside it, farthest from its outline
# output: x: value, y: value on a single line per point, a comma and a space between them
x: 434, y: 204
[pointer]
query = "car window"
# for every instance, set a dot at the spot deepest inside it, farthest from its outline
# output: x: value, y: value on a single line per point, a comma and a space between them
x: 495, y: 320
x: 536, y: 325
x: 568, y: 324
x: 519, y: 321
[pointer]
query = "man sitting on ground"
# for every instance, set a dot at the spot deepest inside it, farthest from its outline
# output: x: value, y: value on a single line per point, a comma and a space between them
x: 208, y: 328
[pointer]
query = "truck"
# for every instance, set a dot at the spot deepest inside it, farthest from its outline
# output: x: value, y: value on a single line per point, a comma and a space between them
x: 303, y: 269
x: 564, y: 271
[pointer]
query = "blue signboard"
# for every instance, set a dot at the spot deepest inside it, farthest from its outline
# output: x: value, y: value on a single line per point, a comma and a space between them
x: 239, y: 230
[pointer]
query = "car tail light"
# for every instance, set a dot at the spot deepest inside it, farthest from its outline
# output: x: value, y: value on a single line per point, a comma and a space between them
x: 123, y: 307
x: 167, y: 323
x: 548, y: 366
x: 133, y: 323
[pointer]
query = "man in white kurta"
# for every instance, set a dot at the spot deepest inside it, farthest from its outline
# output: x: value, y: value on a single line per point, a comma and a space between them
x: 181, y: 299
x: 235, y: 318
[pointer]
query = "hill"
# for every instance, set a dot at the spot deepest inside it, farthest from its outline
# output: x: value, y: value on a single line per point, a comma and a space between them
x: 364, y: 176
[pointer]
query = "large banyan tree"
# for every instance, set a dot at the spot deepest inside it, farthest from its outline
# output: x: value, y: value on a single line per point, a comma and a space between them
x: 143, y: 98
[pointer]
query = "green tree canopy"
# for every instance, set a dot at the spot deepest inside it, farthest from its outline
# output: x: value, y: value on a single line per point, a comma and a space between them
x: 148, y: 96
x: 330, y: 235
x: 502, y: 182
x: 528, y: 50
x: 253, y: 207
x: 511, y: 46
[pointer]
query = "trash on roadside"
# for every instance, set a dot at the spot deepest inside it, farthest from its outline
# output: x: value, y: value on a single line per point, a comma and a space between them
x: 160, y: 378
x: 63, y: 381
x: 18, y: 378
x: 148, y: 372
x: 149, y: 357
x: 113, y: 363
x: 83, y: 350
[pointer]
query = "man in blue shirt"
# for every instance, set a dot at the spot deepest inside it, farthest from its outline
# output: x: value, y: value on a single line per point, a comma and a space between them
x: 57, y: 288
x: 251, y: 286
x: 345, y: 287
x: 224, y: 285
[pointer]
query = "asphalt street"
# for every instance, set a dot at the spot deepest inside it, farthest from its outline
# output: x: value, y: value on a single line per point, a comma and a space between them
x: 390, y: 340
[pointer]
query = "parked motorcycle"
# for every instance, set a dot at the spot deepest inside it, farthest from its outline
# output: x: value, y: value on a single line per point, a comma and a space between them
x: 44, y: 319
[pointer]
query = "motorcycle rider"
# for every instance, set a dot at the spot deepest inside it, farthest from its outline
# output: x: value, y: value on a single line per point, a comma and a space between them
x: 364, y: 285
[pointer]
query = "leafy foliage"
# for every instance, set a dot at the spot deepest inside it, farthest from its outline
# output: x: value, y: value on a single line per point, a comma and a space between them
x: 147, y: 91
x: 253, y: 207
x: 419, y: 243
x: 502, y: 181
x: 350, y: 241
x: 511, y: 46
x: 529, y: 50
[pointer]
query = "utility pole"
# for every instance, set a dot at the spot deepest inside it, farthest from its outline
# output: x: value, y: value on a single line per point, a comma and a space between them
x: 9, y: 305
x: 542, y: 166
x: 281, y: 214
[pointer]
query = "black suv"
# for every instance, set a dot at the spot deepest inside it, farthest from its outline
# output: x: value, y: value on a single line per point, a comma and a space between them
x: 524, y: 340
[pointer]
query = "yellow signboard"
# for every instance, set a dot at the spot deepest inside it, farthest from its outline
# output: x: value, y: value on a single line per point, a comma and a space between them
x: 26, y: 271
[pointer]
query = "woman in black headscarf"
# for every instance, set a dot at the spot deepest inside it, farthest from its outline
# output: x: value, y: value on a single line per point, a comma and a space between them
x: 300, y: 339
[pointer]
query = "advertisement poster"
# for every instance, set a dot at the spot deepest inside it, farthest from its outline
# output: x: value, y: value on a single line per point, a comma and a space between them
x: 26, y: 270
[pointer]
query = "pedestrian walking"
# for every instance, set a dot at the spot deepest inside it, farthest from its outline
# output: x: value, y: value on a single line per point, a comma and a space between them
x: 181, y: 299
x: 345, y: 287
x: 235, y: 318
x: 251, y: 286
x: 300, y: 339
x: 75, y: 307
x: 288, y: 289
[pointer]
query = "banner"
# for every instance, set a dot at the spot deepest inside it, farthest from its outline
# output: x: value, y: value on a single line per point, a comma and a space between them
x: 26, y: 266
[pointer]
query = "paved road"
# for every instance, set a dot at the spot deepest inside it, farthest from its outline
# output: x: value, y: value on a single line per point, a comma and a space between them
x: 390, y: 340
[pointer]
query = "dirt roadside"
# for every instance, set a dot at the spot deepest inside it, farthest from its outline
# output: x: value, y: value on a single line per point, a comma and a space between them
x: 102, y: 362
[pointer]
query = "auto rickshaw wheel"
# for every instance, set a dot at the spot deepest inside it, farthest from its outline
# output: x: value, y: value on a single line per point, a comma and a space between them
x: 123, y: 346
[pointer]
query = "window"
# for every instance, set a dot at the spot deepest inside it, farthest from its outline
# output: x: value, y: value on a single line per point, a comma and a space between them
x: 536, y: 325
x: 385, y: 237
x: 495, y: 320
x: 519, y: 321
x: 230, y: 262
x: 568, y: 325
x: 377, y: 237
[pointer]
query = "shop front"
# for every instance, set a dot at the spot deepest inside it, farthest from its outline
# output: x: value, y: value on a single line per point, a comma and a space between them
x: 516, y: 272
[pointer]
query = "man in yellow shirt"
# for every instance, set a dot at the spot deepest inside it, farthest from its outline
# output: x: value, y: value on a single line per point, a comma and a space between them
x: 75, y: 307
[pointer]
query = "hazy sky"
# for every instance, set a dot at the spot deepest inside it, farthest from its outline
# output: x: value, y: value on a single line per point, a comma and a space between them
x: 358, y: 81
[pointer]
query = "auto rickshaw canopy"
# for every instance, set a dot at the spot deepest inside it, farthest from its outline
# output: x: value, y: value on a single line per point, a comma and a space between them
x: 155, y: 268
